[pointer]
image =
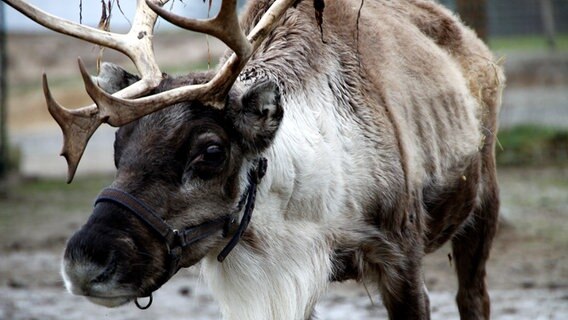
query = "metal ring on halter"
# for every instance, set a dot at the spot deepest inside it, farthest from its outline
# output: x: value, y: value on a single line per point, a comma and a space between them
x: 146, y: 306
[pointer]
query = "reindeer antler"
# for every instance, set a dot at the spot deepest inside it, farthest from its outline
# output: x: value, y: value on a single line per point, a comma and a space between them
x: 125, y: 106
x: 79, y: 125
x: 214, y: 91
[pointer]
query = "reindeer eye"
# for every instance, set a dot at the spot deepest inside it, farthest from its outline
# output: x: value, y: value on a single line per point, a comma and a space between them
x: 207, y: 163
x: 214, y: 155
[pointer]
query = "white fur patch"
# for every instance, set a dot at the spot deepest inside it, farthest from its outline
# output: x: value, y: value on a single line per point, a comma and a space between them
x: 310, y: 165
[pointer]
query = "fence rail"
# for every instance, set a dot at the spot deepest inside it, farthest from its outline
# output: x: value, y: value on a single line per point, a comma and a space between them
x: 547, y: 19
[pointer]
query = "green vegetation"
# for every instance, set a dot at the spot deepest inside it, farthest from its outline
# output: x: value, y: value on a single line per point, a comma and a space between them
x: 44, y: 193
x: 34, y: 203
x: 533, y: 145
x: 527, y: 43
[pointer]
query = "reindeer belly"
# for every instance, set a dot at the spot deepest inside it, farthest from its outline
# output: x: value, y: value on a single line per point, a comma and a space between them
x: 449, y: 206
x: 447, y: 140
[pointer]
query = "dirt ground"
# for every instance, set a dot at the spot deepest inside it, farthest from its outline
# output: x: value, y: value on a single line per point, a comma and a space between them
x: 527, y: 273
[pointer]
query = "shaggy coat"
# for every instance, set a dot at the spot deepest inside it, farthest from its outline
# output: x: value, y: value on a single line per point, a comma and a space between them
x: 385, y: 152
x: 379, y: 130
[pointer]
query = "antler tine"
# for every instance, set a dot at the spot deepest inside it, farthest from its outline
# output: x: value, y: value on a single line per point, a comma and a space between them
x: 214, y: 91
x: 230, y: 71
x: 129, y: 44
x: 225, y: 26
x: 67, y: 27
x: 79, y: 125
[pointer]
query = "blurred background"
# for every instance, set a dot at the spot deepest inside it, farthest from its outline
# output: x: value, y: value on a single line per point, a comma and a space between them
x: 528, y: 271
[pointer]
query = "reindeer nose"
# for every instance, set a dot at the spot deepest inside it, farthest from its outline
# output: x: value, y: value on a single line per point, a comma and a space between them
x: 90, y: 260
x: 107, y: 273
x: 82, y: 270
x: 84, y: 277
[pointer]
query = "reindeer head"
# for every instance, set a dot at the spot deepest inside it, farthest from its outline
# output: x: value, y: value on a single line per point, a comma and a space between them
x: 188, y: 165
x: 188, y: 154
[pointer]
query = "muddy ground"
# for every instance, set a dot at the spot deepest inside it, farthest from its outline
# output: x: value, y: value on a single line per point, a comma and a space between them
x: 527, y: 273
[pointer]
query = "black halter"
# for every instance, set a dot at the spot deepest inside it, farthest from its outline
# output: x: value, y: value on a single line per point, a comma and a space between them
x: 176, y: 240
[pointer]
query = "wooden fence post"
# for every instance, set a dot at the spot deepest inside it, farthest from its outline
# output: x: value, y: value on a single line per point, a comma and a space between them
x: 3, y: 96
x: 547, y: 14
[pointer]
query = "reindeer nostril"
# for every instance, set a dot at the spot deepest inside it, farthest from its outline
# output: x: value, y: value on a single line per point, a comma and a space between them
x: 107, y: 273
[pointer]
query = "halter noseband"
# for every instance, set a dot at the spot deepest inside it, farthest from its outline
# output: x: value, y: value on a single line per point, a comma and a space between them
x: 176, y: 240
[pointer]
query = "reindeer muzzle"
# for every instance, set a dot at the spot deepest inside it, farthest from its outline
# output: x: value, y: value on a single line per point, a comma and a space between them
x: 177, y: 240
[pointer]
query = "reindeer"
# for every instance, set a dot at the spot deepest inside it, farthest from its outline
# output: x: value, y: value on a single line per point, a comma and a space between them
x: 361, y: 146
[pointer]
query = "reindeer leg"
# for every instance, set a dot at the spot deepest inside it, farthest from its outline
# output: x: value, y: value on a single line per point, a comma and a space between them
x: 471, y: 247
x: 398, y: 262
x: 406, y: 297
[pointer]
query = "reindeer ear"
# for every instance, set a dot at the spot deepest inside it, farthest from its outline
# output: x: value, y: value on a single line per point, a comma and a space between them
x: 259, y: 115
x: 113, y: 78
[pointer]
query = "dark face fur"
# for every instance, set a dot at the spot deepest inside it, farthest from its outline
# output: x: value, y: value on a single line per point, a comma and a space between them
x: 187, y: 163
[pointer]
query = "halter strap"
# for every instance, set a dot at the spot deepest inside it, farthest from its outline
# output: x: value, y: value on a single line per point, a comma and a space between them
x: 177, y: 240
x: 141, y: 210
x: 255, y: 176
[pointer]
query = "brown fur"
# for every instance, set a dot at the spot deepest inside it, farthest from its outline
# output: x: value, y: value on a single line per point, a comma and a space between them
x: 458, y: 200
x: 416, y: 91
